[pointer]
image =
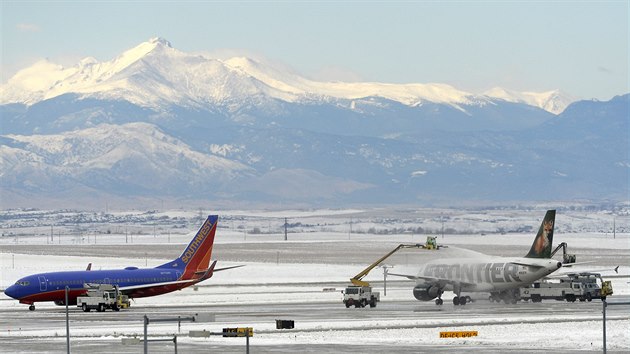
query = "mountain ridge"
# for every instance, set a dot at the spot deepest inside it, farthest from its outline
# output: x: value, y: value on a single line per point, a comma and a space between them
x: 180, y: 127
x: 194, y: 82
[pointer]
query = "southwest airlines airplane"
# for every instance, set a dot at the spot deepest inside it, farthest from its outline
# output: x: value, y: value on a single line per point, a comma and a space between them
x: 192, y: 267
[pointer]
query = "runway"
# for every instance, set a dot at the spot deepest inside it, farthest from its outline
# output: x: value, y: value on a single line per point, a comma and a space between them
x: 293, y: 281
x: 322, y: 324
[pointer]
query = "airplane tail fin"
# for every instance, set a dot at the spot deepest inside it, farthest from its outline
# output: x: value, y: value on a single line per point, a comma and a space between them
x: 541, y: 248
x: 196, y: 255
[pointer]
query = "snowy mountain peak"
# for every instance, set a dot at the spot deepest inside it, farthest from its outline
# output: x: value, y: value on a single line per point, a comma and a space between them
x: 153, y: 74
x: 160, y: 41
x: 156, y: 44
x: 554, y: 101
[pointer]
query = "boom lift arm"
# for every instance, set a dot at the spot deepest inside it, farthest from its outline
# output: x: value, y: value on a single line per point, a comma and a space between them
x: 356, y: 280
x: 566, y: 258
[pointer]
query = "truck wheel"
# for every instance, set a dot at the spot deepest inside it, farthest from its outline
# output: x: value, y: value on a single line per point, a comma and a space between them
x: 115, y: 307
x: 373, y: 302
x: 85, y: 308
x: 589, y: 297
x: 347, y: 304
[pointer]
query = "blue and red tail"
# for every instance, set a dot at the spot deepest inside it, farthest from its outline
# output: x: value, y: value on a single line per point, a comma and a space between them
x: 196, y: 256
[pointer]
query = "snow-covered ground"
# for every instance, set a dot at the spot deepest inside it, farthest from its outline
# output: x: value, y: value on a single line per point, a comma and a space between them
x: 288, y: 282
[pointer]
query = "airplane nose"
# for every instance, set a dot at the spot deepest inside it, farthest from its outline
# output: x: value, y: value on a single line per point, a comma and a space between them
x: 11, y: 292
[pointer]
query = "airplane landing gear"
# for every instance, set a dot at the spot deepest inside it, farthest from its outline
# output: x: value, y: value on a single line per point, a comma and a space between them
x: 439, y: 300
x: 459, y: 300
x: 31, y: 308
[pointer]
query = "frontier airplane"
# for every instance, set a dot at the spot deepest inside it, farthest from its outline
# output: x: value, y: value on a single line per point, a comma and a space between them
x: 500, y: 276
x: 192, y: 267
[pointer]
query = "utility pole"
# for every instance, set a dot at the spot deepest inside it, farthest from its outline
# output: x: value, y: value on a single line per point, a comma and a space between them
x: 350, y: 232
x: 67, y: 323
x: 385, y: 269
x: 285, y: 229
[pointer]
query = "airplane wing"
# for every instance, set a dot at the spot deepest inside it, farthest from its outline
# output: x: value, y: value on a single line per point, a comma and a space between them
x: 412, y: 277
x: 567, y: 265
x: 590, y: 272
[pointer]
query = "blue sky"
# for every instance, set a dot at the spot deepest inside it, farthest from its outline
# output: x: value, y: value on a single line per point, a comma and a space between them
x: 580, y: 47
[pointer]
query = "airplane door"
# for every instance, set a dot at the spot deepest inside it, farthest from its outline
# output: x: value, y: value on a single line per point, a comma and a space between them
x: 42, y: 284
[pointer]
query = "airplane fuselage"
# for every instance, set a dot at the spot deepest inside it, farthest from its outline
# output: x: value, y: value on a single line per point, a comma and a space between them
x: 487, y: 274
x: 51, y: 286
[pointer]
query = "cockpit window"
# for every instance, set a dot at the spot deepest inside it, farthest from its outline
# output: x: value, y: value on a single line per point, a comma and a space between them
x: 22, y: 282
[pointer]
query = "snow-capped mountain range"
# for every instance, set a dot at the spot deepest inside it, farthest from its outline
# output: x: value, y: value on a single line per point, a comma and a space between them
x: 156, y: 123
x: 154, y: 74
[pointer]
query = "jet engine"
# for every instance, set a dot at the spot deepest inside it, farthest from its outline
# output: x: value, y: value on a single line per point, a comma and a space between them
x: 426, y: 292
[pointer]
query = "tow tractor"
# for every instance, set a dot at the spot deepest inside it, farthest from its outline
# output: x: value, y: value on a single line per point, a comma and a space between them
x: 102, y: 296
x: 360, y: 293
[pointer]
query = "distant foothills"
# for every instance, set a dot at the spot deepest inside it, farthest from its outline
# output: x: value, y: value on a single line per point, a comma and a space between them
x: 158, y: 124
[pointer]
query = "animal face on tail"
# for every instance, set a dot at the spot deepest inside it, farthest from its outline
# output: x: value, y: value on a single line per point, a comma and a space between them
x: 541, y: 248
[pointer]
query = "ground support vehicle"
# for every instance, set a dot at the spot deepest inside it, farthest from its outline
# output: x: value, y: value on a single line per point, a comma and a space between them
x: 102, y: 297
x: 577, y: 286
x: 360, y: 296
x: 360, y: 293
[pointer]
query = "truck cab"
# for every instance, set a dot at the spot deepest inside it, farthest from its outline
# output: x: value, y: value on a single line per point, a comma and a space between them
x: 360, y: 296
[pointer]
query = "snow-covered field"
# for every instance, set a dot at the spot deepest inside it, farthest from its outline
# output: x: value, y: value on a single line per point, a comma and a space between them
x: 285, y: 284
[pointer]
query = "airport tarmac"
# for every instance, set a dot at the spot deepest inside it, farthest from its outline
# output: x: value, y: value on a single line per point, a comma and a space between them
x: 335, y: 328
x: 293, y: 281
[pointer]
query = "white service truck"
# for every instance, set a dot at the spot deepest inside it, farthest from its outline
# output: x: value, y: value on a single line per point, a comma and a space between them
x: 360, y: 293
x: 582, y: 287
x: 101, y: 297
x: 360, y: 296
